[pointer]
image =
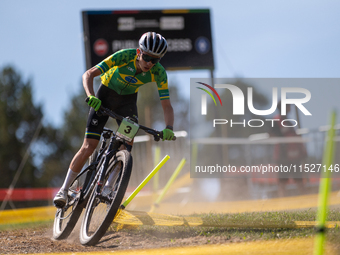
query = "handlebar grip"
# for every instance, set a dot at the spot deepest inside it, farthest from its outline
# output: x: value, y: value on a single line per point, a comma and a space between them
x: 161, y: 137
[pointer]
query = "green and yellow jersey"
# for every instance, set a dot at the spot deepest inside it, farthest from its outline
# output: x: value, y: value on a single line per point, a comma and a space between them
x: 119, y: 73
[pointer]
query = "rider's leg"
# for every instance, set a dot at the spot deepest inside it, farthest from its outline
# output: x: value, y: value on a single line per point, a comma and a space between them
x: 79, y: 160
x: 86, y: 150
x: 77, y: 163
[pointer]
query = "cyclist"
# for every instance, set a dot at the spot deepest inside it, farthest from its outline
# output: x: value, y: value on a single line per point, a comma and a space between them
x: 121, y: 76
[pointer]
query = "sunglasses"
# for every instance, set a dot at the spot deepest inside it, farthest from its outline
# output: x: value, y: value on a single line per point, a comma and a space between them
x: 148, y: 58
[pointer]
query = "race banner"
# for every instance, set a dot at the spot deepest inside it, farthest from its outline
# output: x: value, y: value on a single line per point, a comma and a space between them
x: 188, y: 33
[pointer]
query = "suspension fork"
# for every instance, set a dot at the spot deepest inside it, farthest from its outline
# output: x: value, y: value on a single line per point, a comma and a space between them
x: 97, y: 174
x: 91, y: 178
x: 114, y: 145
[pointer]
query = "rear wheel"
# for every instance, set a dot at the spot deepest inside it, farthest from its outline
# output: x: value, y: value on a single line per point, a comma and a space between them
x: 67, y: 217
x: 102, y: 207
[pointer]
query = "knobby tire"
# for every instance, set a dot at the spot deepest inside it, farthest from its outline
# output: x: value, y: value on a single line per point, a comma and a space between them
x: 92, y: 229
x: 67, y: 217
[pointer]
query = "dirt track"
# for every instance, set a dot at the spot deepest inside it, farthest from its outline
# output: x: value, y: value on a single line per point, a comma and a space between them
x: 39, y: 240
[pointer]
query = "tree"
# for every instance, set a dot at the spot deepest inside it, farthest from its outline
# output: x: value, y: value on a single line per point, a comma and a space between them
x: 67, y: 140
x: 19, y: 119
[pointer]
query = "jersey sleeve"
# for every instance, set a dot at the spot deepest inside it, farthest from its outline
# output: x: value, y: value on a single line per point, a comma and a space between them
x: 161, y: 79
x: 116, y: 59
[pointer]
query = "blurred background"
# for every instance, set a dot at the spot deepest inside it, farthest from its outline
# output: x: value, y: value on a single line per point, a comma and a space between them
x: 43, y: 114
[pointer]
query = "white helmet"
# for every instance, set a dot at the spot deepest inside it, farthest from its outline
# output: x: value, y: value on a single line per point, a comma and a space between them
x: 153, y: 43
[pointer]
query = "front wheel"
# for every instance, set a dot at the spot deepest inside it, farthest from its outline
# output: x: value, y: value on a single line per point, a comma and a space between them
x: 103, y: 206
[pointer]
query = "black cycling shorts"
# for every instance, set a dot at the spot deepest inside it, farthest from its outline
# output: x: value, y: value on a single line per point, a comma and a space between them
x: 124, y: 105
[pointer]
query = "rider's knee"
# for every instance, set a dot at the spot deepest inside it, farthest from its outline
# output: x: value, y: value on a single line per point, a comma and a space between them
x: 89, y: 147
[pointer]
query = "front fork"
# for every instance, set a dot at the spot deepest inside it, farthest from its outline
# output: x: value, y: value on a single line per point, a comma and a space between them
x: 114, y: 145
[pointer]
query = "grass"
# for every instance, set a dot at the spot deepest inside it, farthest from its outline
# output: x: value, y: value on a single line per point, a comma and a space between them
x: 29, y: 225
x: 276, y: 218
x: 247, y: 232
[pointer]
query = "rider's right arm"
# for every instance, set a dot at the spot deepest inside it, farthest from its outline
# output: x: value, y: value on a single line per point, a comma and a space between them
x: 115, y: 59
x: 88, y: 77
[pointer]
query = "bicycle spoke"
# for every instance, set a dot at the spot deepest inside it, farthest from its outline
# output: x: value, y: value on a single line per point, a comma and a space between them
x: 98, y: 214
x: 67, y: 217
x: 101, y: 203
x: 103, y: 206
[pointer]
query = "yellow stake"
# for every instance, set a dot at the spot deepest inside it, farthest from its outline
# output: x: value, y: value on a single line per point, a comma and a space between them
x: 325, y: 187
x: 153, y: 172
x: 167, y: 186
x: 156, y: 177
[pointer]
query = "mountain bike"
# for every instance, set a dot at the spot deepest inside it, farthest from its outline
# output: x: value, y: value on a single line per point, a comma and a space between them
x: 101, y: 186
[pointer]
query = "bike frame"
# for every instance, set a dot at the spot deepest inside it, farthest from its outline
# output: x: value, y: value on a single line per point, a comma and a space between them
x: 89, y: 181
x: 113, y: 147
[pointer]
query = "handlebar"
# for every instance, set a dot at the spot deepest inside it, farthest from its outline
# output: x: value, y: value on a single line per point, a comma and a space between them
x: 156, y: 134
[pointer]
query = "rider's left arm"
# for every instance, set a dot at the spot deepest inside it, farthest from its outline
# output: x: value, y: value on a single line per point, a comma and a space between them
x: 168, y: 112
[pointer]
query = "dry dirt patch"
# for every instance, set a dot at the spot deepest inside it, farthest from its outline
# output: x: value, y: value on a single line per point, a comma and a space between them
x: 39, y: 240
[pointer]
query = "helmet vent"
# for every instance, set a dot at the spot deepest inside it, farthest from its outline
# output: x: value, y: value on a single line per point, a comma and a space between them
x: 153, y: 43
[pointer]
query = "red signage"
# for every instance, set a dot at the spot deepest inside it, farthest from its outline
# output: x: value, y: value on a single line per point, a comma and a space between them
x: 101, y: 47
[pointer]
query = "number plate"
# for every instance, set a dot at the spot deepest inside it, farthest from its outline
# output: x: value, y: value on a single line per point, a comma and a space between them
x: 127, y: 129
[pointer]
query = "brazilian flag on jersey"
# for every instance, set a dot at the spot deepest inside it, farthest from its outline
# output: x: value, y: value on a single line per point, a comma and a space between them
x: 119, y: 73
